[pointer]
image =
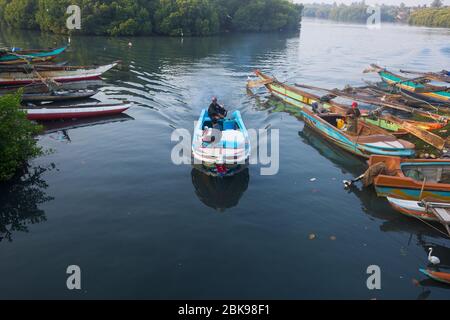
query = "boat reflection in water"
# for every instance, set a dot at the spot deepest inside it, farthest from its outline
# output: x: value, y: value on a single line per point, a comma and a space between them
x: 19, y: 202
x: 220, y: 193
x: 62, y: 126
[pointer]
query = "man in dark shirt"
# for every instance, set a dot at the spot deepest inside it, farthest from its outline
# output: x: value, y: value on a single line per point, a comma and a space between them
x: 352, y: 118
x: 216, y: 111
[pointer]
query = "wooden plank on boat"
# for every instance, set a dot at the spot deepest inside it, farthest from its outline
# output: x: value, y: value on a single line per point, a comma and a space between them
x: 443, y: 215
x: 258, y: 83
x: 376, y: 102
x: 424, y: 135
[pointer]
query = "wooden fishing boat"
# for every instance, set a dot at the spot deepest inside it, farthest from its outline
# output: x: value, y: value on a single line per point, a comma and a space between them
x: 443, y: 277
x: 28, y: 67
x: 441, y: 76
x: 413, y: 179
x: 300, y: 98
x: 415, y: 89
x: 75, y: 111
x: 365, y: 141
x: 64, y: 74
x: 425, y: 209
x: 9, y: 56
x: 55, y: 96
x: 223, y: 149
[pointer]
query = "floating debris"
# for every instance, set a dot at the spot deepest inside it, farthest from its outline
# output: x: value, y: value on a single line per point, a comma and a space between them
x: 312, y: 179
x: 312, y: 236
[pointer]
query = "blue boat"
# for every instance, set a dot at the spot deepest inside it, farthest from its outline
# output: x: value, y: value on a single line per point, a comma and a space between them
x: 367, y: 140
x: 222, y: 148
x: 18, y: 56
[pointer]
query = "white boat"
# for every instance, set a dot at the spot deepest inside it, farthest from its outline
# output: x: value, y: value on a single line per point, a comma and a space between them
x: 425, y: 209
x: 222, y: 149
x: 60, y: 74
x: 75, y: 112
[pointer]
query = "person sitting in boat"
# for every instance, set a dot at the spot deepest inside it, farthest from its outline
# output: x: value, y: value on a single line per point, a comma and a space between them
x: 216, y: 111
x: 318, y: 108
x: 352, y: 117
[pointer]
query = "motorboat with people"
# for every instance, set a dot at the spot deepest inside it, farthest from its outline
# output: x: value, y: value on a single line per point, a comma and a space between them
x: 221, y: 143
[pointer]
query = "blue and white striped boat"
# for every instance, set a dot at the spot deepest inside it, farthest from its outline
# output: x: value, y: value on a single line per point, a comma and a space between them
x: 221, y: 148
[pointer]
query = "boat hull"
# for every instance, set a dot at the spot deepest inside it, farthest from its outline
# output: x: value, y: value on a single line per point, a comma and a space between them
x: 407, y: 88
x: 336, y: 136
x: 31, y: 55
x: 43, y: 114
x: 402, y: 187
x: 63, y: 76
x: 411, y: 208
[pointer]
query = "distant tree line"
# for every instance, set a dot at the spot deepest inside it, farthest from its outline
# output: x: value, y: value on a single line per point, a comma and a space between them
x: 434, y: 16
x: 355, y: 12
x: 147, y: 17
x: 431, y: 17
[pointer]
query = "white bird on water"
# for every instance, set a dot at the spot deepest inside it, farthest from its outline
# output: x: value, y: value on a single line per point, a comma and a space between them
x: 434, y: 260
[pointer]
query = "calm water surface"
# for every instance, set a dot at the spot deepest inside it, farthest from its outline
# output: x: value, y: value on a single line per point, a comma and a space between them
x: 110, y: 200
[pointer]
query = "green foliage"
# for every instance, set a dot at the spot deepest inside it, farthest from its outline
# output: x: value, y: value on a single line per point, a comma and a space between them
x: 267, y: 15
x: 18, y: 13
x: 108, y: 17
x: 188, y: 17
x: 17, y: 144
x: 145, y: 17
x: 431, y: 17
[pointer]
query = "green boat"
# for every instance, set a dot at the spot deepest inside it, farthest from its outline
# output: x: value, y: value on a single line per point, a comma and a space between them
x: 301, y: 99
x: 17, y: 56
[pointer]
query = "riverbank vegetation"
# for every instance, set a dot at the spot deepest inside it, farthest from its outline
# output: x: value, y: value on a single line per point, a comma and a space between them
x: 431, y: 17
x: 148, y: 17
x: 17, y: 143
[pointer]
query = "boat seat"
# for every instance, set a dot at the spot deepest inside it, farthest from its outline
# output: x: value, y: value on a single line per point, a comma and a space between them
x: 229, y: 125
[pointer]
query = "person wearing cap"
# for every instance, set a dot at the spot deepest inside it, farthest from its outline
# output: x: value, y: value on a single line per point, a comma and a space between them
x: 216, y: 111
x: 352, y: 117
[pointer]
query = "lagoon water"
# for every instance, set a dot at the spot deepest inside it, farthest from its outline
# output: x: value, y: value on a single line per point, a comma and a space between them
x: 109, y: 199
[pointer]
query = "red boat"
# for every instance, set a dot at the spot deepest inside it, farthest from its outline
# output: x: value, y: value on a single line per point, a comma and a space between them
x: 75, y: 112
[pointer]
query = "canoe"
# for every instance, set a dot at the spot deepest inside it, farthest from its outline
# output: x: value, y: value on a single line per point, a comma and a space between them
x: 413, y: 179
x: 33, y: 67
x: 229, y: 151
x: 411, y: 208
x: 368, y: 140
x: 56, y: 96
x: 443, y: 277
x: 424, y: 209
x: 441, y: 76
x: 38, y: 55
x: 412, y: 88
x: 74, y: 112
x: 66, y: 74
x: 301, y: 99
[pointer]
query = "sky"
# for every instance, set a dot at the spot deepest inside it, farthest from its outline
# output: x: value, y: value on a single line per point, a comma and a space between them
x: 393, y: 2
